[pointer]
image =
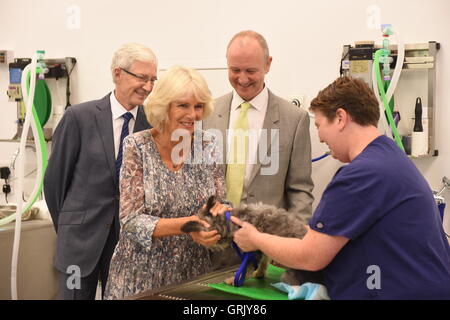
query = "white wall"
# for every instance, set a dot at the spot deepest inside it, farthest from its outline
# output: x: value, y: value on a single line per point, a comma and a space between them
x: 305, y: 39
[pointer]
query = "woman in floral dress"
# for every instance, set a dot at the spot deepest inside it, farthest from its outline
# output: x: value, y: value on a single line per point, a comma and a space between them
x: 163, y: 183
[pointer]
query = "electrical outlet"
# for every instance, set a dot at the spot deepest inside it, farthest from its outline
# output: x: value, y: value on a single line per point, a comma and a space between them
x: 298, y: 100
x: 5, y: 172
x: 6, y: 57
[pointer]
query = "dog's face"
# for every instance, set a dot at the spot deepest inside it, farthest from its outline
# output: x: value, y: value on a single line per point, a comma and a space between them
x: 266, y: 219
x: 218, y: 223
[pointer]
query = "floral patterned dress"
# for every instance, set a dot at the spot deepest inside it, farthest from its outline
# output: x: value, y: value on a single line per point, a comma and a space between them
x: 150, y: 191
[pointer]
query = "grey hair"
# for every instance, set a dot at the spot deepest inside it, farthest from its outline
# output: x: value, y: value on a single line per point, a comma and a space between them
x: 128, y: 53
x: 255, y: 35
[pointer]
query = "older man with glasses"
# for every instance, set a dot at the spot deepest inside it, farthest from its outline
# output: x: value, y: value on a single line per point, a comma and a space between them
x: 81, y: 182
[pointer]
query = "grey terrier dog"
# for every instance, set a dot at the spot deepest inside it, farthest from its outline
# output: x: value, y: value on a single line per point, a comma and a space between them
x: 265, y: 218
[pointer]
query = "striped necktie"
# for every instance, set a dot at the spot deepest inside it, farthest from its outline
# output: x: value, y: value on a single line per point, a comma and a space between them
x: 126, y: 120
x: 238, y: 157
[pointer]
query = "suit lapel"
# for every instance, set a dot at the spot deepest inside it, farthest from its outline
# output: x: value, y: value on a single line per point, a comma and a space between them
x: 103, y: 118
x: 222, y: 118
x: 271, y: 122
x: 141, y: 121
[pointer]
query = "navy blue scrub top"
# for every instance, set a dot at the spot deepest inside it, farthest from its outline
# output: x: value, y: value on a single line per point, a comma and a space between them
x: 397, y: 248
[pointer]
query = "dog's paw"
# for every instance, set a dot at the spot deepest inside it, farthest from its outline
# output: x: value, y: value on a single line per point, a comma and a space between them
x: 229, y: 281
x: 258, y: 274
x: 192, y: 226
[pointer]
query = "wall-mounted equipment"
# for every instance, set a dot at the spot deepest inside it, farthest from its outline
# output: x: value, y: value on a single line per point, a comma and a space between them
x: 415, y: 81
x: 54, y: 69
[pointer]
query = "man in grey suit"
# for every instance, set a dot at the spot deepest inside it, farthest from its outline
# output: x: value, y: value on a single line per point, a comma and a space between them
x: 81, y: 181
x: 278, y: 162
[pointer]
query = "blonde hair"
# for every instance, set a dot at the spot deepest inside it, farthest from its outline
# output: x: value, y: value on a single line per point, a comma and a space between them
x: 129, y: 53
x: 175, y: 83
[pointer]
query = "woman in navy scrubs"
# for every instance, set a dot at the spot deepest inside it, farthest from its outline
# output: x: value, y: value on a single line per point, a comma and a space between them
x: 376, y: 232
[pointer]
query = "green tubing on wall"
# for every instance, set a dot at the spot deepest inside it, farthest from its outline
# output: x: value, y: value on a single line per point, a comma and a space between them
x: 41, y: 140
x: 382, y: 93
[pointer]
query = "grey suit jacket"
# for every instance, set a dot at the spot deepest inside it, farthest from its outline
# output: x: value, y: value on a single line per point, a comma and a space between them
x: 80, y: 185
x: 290, y: 187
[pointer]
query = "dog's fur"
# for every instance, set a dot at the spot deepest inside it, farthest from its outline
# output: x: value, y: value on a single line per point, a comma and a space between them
x: 265, y: 218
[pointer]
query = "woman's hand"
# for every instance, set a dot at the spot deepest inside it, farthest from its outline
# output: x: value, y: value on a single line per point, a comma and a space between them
x: 219, y: 208
x: 205, y: 238
x: 244, y: 237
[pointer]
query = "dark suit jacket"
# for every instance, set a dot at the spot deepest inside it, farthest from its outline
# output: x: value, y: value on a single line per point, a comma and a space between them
x: 80, y: 185
x: 290, y: 187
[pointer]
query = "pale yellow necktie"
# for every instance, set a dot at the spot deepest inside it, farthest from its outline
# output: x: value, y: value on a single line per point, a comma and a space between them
x: 238, y: 157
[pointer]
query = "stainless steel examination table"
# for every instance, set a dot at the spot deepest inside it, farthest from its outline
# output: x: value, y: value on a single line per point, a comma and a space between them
x: 198, y: 289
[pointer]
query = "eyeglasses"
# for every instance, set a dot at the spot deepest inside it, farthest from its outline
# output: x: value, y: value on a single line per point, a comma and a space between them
x: 143, y: 79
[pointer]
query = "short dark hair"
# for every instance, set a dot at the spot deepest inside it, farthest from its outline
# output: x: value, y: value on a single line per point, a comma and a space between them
x: 351, y: 94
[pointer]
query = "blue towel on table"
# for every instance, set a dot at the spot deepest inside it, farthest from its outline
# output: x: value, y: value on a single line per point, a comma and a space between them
x: 307, y: 291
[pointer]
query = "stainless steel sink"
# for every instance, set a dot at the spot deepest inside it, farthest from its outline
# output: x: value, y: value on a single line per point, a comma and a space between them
x: 9, y: 209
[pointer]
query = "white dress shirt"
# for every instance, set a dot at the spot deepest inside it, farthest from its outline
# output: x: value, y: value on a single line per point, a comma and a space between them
x: 255, y: 114
x: 117, y: 120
